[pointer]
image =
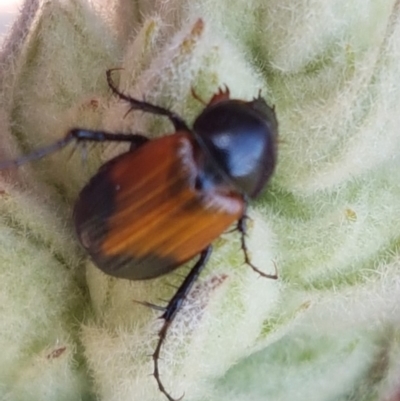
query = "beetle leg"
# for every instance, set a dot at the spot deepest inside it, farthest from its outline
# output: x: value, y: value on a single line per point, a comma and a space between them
x: 37, y: 154
x: 150, y: 305
x: 242, y: 228
x: 197, y: 97
x: 146, y: 107
x: 172, y: 309
x: 82, y: 135
x: 78, y: 135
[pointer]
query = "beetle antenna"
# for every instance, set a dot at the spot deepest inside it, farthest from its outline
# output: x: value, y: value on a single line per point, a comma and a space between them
x: 146, y: 107
x: 174, y: 305
x: 242, y: 228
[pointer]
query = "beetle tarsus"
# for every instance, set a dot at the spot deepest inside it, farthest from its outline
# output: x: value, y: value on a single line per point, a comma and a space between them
x: 242, y: 228
x: 150, y: 305
x: 172, y: 309
x: 197, y: 97
x: 135, y: 104
x: 78, y: 135
x: 37, y: 154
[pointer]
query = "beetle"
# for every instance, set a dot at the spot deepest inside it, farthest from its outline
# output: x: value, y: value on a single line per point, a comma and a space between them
x: 149, y: 210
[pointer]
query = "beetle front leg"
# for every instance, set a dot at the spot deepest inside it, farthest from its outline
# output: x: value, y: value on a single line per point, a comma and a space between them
x: 242, y: 228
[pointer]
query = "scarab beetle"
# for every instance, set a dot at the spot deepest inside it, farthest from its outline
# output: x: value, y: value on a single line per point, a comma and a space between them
x: 151, y: 209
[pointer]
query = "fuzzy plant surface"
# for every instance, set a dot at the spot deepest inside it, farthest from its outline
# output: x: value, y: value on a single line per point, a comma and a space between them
x: 328, y: 328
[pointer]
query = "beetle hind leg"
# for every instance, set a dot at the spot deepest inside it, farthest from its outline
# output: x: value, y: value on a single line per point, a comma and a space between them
x: 77, y: 135
x: 171, y: 311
